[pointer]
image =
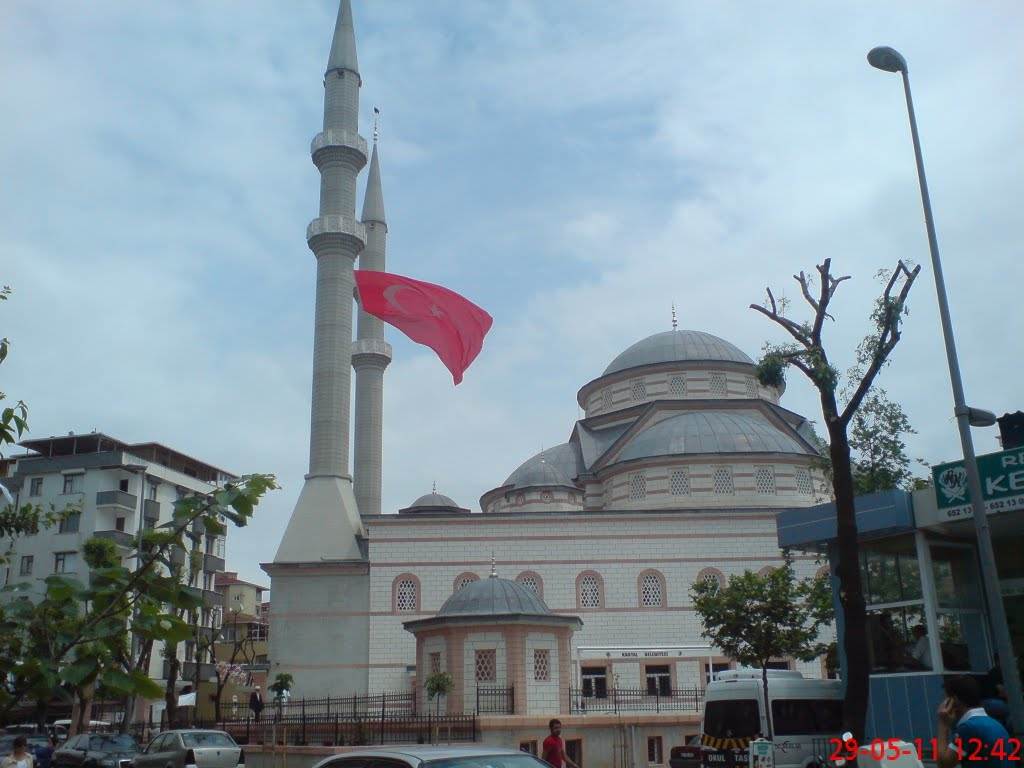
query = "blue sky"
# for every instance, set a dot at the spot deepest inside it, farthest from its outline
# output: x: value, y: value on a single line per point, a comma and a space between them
x: 573, y: 167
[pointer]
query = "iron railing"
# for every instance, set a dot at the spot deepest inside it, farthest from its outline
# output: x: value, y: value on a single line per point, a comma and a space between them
x: 637, y: 700
x: 495, y: 701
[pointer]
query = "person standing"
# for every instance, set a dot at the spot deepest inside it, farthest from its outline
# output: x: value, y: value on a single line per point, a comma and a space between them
x: 256, y: 703
x: 966, y: 734
x: 44, y: 755
x: 553, y: 750
x: 20, y: 757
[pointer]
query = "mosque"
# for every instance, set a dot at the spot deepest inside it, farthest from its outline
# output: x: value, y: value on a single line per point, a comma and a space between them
x: 571, y: 583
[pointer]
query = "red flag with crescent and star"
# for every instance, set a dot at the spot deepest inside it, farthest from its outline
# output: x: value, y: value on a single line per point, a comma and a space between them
x: 450, y: 324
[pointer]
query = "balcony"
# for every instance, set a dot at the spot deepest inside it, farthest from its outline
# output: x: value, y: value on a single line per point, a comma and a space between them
x: 121, y: 538
x: 213, y: 599
x: 118, y: 499
x: 151, y: 508
x: 187, y: 671
x: 213, y: 563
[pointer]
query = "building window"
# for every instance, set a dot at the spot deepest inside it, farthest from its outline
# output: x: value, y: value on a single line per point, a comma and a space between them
x: 764, y: 480
x: 655, y: 755
x: 718, y: 385
x: 679, y: 482
x: 752, y: 388
x: 711, y: 671
x: 677, y: 386
x: 520, y: 499
x: 190, y: 650
x: 803, y: 483
x: 652, y: 590
x: 595, y: 682
x: 64, y: 562
x: 529, y: 747
x: 73, y: 483
x: 606, y: 398
x: 532, y: 582
x: 639, y: 389
x: 486, y: 666
x: 69, y: 524
x: 588, y: 590
x: 659, y: 680
x: 118, y: 523
x: 406, y: 595
x: 637, y: 486
x: 464, y: 580
x: 35, y: 486
x: 26, y: 565
x: 541, y: 665
x: 435, y: 663
x: 547, y: 497
x: 766, y: 571
x: 151, y: 492
x: 712, y: 576
x: 722, y: 481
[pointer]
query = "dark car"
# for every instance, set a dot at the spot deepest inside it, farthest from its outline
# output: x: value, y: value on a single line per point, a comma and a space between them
x: 687, y: 755
x: 95, y: 750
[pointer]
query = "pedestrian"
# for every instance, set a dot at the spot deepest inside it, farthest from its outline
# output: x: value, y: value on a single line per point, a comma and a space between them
x: 922, y: 650
x: 993, y: 694
x: 20, y: 757
x: 966, y: 734
x: 256, y: 703
x: 553, y: 751
x: 45, y: 753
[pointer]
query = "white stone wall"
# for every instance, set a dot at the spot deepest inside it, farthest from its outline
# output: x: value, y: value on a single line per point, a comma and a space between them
x: 541, y: 697
x: 482, y: 641
x: 627, y: 391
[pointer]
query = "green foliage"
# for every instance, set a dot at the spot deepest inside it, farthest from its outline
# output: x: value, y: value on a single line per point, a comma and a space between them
x: 282, y: 682
x: 880, y: 461
x: 771, y: 370
x: 438, y: 684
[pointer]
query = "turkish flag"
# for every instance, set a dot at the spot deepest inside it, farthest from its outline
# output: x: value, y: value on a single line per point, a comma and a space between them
x: 450, y: 324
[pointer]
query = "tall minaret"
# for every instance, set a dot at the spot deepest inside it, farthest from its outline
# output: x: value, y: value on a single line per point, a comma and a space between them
x: 370, y: 353
x: 320, y: 566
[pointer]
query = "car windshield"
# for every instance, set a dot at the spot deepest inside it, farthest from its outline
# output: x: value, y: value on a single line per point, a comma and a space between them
x: 732, y: 718
x: 486, y: 761
x: 207, y: 739
x: 114, y: 742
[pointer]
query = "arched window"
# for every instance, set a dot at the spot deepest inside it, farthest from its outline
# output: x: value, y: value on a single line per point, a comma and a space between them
x: 711, y: 576
x: 651, y: 587
x: 589, y: 590
x: 405, y: 594
x: 765, y: 571
x: 532, y: 581
x: 547, y: 497
x: 464, y: 580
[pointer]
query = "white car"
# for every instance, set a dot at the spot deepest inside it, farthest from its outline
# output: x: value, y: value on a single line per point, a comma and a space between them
x: 433, y: 757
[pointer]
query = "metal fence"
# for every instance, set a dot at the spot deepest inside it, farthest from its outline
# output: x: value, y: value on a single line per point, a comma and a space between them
x: 344, y: 729
x: 637, y: 700
x: 495, y: 701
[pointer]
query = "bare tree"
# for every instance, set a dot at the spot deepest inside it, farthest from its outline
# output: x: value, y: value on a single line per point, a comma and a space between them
x: 243, y: 651
x: 806, y: 352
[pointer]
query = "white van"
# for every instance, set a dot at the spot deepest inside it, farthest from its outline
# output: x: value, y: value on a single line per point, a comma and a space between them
x: 805, y: 715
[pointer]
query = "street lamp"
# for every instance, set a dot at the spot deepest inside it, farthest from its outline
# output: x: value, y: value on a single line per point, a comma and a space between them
x: 890, y: 60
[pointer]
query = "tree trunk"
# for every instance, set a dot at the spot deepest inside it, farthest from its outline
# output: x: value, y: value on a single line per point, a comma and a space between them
x: 170, y: 694
x: 851, y: 590
x: 142, y: 665
x: 767, y: 705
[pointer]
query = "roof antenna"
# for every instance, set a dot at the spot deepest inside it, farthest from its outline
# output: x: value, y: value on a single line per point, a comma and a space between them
x: 376, y: 124
x: 494, y: 568
x: 433, y: 488
x: 674, y: 324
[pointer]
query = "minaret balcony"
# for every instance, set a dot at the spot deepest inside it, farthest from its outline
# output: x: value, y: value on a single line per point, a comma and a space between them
x: 338, y: 141
x: 370, y: 352
x: 333, y: 225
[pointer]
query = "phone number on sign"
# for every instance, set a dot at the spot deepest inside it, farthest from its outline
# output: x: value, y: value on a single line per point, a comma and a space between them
x: 972, y: 750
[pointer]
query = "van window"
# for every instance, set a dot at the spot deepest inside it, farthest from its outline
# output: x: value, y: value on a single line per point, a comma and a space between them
x: 732, y: 718
x: 793, y: 717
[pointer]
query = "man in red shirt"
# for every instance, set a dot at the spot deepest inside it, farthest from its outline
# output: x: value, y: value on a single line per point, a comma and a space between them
x: 553, y: 751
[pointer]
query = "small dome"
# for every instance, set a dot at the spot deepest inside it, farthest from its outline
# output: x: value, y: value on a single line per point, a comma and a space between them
x: 712, y: 432
x: 553, y: 467
x: 433, y: 502
x: 494, y: 597
x: 676, y: 346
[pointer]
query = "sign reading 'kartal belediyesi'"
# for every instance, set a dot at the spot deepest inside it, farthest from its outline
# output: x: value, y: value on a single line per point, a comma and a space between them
x: 1002, y: 484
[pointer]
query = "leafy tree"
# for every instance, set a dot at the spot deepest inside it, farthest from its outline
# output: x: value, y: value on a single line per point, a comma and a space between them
x: 438, y: 684
x: 230, y: 670
x: 754, y: 619
x: 282, y: 684
x: 807, y: 353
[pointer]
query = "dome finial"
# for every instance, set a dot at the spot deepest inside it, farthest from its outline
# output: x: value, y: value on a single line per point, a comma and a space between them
x: 376, y: 124
x: 433, y: 487
x: 674, y: 324
x: 494, y: 567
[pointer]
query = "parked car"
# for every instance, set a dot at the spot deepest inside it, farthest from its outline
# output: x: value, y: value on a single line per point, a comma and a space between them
x: 193, y: 748
x: 687, y: 755
x: 95, y: 750
x: 433, y: 757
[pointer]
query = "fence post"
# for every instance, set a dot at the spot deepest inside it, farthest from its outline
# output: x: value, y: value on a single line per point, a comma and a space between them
x: 382, y: 719
x: 335, y: 729
x: 657, y: 699
x: 303, y: 719
x: 353, y: 705
x: 615, y: 699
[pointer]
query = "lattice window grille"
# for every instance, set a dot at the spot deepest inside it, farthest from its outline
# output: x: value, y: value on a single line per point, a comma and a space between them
x: 590, y: 592
x: 651, y: 593
x: 464, y: 582
x: 639, y: 389
x: 637, y: 486
x: 547, y: 497
x: 713, y: 580
x: 405, y: 596
x: 435, y: 663
x: 606, y: 398
x: 677, y: 386
x: 803, y: 482
x: 520, y: 499
x: 530, y: 582
x: 764, y: 480
x: 679, y: 482
x: 722, y: 481
x: 541, y: 665
x: 718, y: 386
x: 486, y: 666
x: 752, y: 388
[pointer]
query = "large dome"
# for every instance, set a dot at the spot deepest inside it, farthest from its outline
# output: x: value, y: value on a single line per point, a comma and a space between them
x: 494, y: 597
x: 555, y: 467
x: 712, y: 432
x: 433, y: 502
x: 677, y: 346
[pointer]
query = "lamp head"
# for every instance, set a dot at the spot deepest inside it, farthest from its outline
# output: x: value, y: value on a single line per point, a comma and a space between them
x: 888, y: 59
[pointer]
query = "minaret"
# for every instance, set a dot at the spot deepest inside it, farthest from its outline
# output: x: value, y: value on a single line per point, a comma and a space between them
x: 370, y: 353
x: 320, y: 566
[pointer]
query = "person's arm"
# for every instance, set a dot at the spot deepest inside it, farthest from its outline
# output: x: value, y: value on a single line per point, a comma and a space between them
x: 947, y: 754
x: 565, y: 757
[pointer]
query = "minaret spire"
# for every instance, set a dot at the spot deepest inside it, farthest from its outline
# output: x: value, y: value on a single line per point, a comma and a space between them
x: 343, y: 45
x: 371, y: 354
x: 674, y: 324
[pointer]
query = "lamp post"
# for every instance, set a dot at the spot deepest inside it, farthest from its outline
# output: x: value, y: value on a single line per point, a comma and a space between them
x: 890, y: 60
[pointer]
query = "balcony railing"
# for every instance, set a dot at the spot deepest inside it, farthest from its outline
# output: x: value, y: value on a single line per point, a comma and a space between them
x: 187, y: 670
x: 637, y: 700
x: 121, y: 538
x: 151, y: 508
x: 213, y: 563
x: 120, y: 499
x: 495, y: 701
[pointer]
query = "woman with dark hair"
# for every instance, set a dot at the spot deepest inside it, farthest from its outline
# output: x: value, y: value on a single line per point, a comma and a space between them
x: 20, y: 757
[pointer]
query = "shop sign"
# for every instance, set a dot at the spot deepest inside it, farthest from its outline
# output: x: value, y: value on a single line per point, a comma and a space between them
x: 1002, y: 485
